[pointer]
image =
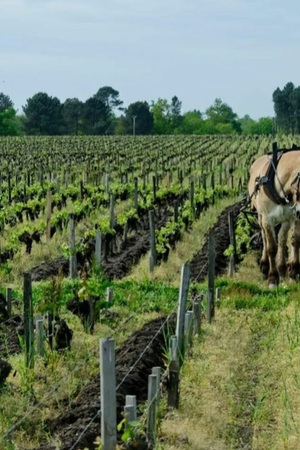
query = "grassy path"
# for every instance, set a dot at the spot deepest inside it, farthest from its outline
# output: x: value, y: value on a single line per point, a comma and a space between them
x: 240, y: 389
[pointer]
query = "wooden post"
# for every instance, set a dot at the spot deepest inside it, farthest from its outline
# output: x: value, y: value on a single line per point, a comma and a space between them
x: 173, y: 348
x: 152, y: 407
x: 130, y: 402
x: 183, y: 293
x: 58, y: 185
x: 136, y: 194
x: 109, y: 295
x: 153, y: 255
x: 218, y: 295
x: 173, y: 385
x: 106, y: 181
x: 42, y: 178
x: 48, y: 215
x: 188, y: 329
x: 28, y: 321
x: 91, y: 318
x: 50, y: 329
x: 98, y: 250
x: 197, y: 314
x: 129, y: 414
x: 211, y: 277
x: 9, y: 187
x: 82, y: 188
x: 175, y: 211
x: 232, y: 240
x: 212, y: 180
x: 108, y: 394
x: 8, y: 301
x: 157, y: 371
x: 168, y: 180
x: 40, y: 337
x: 24, y: 194
x: 73, y: 257
x: 192, y: 194
x: 180, y: 176
x: 112, y: 211
x: 220, y: 176
x: 154, y: 181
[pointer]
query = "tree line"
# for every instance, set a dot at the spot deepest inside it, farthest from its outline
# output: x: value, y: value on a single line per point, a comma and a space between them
x: 104, y: 114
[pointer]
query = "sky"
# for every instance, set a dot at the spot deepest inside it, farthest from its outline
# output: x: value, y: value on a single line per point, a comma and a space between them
x: 199, y: 50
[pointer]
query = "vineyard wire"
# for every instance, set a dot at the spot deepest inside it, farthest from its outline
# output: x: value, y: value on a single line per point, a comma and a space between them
x: 45, y: 396
x: 10, y: 318
x: 124, y: 378
x: 144, y: 351
x: 204, y: 266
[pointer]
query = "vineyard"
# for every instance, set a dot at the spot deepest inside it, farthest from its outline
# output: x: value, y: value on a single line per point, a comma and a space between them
x: 95, y: 230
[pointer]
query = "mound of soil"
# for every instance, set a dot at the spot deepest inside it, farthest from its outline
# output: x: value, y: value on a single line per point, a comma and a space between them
x: 10, y: 330
x: 199, y: 263
x: 117, y: 264
x: 133, y: 365
x: 49, y: 269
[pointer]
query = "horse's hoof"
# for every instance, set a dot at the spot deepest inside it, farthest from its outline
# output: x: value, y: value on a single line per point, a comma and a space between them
x: 273, y: 281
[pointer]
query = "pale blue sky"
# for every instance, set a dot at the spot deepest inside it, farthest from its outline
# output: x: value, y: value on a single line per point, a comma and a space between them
x: 238, y: 50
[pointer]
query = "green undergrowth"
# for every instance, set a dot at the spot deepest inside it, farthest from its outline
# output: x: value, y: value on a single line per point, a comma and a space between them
x: 246, y: 295
x: 144, y: 295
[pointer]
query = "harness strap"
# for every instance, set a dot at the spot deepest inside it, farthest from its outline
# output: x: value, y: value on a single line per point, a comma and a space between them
x: 268, y: 181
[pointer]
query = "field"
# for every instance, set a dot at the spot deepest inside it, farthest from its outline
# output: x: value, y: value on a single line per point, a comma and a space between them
x: 76, y: 214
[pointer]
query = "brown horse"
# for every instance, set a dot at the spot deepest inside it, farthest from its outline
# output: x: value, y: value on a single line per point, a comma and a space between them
x: 274, y: 189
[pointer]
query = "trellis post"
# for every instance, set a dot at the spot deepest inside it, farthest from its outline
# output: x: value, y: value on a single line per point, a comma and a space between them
x: 28, y: 321
x: 73, y: 257
x: 153, y: 255
x: 183, y: 293
x: 108, y: 394
x: 9, y: 301
x: 211, y: 278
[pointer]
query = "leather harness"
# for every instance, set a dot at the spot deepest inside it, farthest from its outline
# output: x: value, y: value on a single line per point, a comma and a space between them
x: 267, y: 181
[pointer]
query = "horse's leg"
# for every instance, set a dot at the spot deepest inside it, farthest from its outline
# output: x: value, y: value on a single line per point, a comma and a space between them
x: 282, y: 246
x: 271, y: 247
x: 294, y: 265
x: 264, y: 260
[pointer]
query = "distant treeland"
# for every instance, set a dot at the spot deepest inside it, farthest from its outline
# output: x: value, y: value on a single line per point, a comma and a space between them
x: 274, y: 189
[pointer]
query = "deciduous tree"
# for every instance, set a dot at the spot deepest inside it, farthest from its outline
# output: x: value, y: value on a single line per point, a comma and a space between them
x: 221, y: 113
x: 9, y: 125
x: 138, y: 118
x: 96, y: 117
x: 5, y: 102
x: 71, y: 113
x: 110, y: 97
x: 43, y: 115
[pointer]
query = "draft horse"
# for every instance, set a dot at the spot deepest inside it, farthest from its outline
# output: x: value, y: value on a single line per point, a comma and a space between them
x: 274, y: 190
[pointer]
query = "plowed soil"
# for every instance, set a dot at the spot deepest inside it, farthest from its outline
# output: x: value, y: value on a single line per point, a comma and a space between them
x: 119, y: 262
x: 81, y: 417
x: 133, y: 365
x: 83, y: 413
